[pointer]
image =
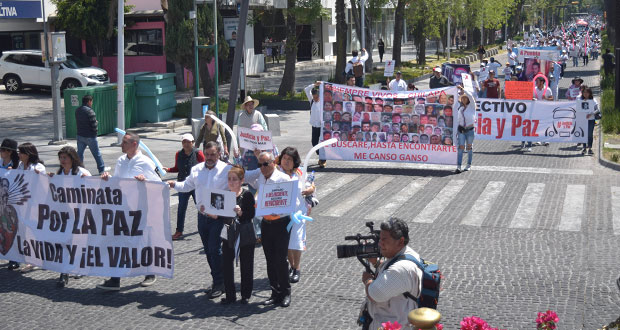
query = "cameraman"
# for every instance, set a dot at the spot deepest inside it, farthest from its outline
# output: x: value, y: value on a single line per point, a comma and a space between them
x: 385, y: 299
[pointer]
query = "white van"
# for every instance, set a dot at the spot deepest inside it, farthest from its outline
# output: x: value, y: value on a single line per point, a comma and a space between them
x: 25, y: 68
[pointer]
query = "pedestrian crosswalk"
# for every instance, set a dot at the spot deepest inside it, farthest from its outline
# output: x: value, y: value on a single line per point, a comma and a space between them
x: 514, y: 205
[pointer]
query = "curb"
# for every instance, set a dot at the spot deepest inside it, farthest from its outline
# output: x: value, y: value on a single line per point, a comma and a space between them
x: 601, y: 159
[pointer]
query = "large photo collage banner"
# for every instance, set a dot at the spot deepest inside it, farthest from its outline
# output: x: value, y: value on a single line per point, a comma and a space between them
x: 379, y: 125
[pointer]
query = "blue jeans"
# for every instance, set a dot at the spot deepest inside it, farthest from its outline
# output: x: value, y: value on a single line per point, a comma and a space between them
x: 575, y: 61
x: 529, y: 144
x: 210, y: 230
x: 91, y: 142
x: 465, y: 139
x: 590, y: 134
x: 182, y: 208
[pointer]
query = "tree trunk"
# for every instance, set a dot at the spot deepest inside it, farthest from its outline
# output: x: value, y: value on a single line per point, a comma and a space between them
x: 208, y: 86
x: 287, y: 85
x: 399, y: 15
x: 341, y: 40
x: 180, y: 78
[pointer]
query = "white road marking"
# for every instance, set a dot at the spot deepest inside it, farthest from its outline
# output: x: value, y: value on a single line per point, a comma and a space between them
x: 615, y: 208
x: 399, y: 199
x: 572, y: 213
x: 357, y: 197
x: 342, y: 180
x: 482, y: 206
x: 524, y: 216
x: 434, y: 208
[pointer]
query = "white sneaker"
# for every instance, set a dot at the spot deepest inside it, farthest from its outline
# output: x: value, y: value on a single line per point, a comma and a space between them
x: 28, y: 268
x: 467, y: 168
x: 107, y: 169
x: 529, y: 149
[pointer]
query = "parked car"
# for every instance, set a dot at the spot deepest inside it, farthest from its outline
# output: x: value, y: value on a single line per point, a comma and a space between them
x: 25, y: 68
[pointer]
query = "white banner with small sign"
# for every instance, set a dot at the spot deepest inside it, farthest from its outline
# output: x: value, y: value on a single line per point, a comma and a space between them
x: 250, y: 140
x: 218, y: 202
x: 277, y: 198
x: 389, y: 68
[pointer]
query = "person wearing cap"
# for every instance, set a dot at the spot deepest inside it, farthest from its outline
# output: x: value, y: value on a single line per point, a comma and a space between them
x: 491, y: 86
x: 86, y: 124
x: 248, y: 117
x: 132, y: 165
x: 542, y: 93
x: 312, y: 93
x: 574, y: 91
x: 210, y: 174
x: 507, y: 72
x: 438, y: 80
x: 184, y: 160
x: 9, y: 159
x: 398, y: 84
x: 212, y: 131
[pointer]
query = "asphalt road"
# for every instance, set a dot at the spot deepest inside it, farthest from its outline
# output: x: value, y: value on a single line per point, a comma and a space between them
x: 517, y: 235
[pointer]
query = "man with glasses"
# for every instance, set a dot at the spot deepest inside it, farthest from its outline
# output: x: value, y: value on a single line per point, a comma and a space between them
x: 212, y: 174
x: 275, y: 237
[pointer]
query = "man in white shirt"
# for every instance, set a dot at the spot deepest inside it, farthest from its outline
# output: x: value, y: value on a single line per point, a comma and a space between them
x: 212, y: 174
x: 274, y: 234
x: 398, y: 84
x: 384, y: 292
x: 133, y: 164
x: 348, y: 69
x: 312, y: 93
x: 540, y: 93
x: 493, y: 66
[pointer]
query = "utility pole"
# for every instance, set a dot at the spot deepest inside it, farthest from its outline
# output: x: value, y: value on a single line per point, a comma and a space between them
x: 448, y: 41
x: 236, y: 69
x: 194, y: 15
x: 120, y: 51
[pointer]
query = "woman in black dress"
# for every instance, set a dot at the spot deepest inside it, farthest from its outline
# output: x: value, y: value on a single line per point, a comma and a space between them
x: 245, y: 211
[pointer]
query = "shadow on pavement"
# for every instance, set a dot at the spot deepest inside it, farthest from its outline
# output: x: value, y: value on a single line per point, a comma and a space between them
x: 176, y: 306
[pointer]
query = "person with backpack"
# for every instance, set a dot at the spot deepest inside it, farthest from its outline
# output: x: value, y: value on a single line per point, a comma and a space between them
x: 395, y: 288
x: 355, y: 66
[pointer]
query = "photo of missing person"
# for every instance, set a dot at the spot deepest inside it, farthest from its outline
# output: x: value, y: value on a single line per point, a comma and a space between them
x: 348, y: 106
x: 217, y: 201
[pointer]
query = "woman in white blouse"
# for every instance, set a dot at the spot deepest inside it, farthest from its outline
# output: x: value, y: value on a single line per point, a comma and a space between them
x: 70, y: 164
x: 29, y: 161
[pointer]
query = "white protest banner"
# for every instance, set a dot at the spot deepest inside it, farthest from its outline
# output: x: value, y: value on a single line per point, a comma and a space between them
x: 218, y: 202
x: 539, y: 54
x: 277, y: 198
x: 378, y: 125
x: 535, y: 121
x: 467, y: 83
x: 389, y: 68
x: 250, y: 140
x: 86, y: 226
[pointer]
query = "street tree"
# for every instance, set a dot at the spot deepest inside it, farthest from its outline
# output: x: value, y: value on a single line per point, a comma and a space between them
x: 179, y: 46
x: 372, y: 12
x: 92, y: 20
x: 302, y: 12
x: 341, y: 42
x: 399, y: 15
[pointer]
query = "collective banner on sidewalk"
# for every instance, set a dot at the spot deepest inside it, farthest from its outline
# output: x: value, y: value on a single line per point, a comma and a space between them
x: 380, y: 125
x: 535, y: 121
x: 86, y: 226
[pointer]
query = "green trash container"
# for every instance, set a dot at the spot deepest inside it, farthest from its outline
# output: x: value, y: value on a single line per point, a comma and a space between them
x: 155, y: 97
x: 73, y: 100
x: 131, y: 77
x: 104, y: 105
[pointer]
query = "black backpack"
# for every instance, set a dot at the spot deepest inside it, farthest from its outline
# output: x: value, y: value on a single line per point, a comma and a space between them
x: 431, y: 281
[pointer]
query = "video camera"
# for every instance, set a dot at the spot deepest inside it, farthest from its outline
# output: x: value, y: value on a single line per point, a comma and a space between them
x: 366, y: 247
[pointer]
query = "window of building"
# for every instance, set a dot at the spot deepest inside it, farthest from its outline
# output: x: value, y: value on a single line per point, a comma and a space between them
x: 137, y: 43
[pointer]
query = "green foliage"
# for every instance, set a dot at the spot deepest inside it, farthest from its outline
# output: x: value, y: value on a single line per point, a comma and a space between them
x: 307, y: 11
x: 84, y: 19
x: 180, y: 33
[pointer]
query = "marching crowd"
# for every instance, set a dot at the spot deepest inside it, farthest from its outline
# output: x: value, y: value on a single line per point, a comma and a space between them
x: 227, y: 239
